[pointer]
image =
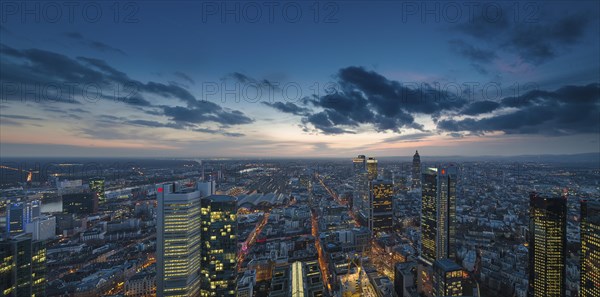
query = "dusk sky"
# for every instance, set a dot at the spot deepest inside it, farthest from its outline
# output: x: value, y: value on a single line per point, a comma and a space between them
x: 306, y: 79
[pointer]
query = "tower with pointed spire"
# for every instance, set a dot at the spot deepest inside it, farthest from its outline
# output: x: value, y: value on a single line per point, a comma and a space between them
x: 416, y: 171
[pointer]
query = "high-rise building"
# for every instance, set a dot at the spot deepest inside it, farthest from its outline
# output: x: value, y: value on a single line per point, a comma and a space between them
x: 381, y: 218
x: 447, y: 278
x: 405, y: 278
x: 42, y: 227
x: 15, y: 219
x: 590, y: 249
x: 372, y: 168
x: 361, y: 183
x: 306, y: 279
x: 85, y: 203
x: 33, y: 210
x: 178, y: 241
x: 438, y: 214
x: 219, y: 246
x: 416, y: 171
x: 547, y: 246
x: 97, y: 186
x: 22, y: 266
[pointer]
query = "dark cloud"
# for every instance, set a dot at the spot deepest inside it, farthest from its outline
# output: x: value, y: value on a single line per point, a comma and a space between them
x: 480, y: 107
x: 206, y: 112
x: 154, y: 124
x: 478, y: 56
x: 288, y: 107
x: 96, y: 45
x: 408, y: 137
x: 568, y: 110
x: 103, y: 47
x: 471, y: 52
x: 184, y: 77
x: 366, y: 97
x: 322, y: 124
x: 20, y: 117
x: 218, y: 132
x: 245, y: 79
x: 535, y: 41
x: 36, y: 69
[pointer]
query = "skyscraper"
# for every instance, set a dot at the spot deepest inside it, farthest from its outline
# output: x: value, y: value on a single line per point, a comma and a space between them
x: 590, y: 249
x: 382, y: 193
x: 178, y: 241
x: 416, y: 171
x: 22, y: 266
x: 15, y: 219
x: 438, y: 214
x: 447, y: 278
x: 372, y: 168
x: 80, y: 203
x: 547, y: 246
x: 219, y: 246
x: 97, y: 186
x: 360, y: 182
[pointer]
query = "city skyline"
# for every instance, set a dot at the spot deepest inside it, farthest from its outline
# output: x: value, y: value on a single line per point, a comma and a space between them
x: 300, y: 148
x: 520, y: 82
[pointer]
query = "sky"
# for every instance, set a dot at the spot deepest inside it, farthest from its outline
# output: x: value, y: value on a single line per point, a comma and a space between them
x: 298, y: 79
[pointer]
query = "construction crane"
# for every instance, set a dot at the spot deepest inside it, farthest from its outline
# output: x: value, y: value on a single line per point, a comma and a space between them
x: 29, y: 173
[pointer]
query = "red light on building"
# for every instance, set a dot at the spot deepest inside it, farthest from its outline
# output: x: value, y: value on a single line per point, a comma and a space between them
x: 443, y: 171
x: 160, y: 190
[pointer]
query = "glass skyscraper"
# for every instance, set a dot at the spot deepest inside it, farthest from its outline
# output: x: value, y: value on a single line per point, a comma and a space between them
x: 15, y: 219
x: 416, y: 171
x: 372, y: 168
x: 590, y: 249
x: 219, y: 246
x: 382, y: 193
x: 438, y: 214
x: 22, y: 266
x: 360, y: 182
x: 447, y: 278
x: 547, y: 246
x: 97, y: 186
x: 178, y: 241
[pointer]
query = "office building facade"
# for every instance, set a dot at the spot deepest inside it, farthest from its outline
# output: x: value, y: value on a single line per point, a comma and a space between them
x: 381, y: 218
x: 447, y: 278
x: 85, y: 203
x: 547, y: 246
x: 590, y: 249
x: 178, y: 241
x: 438, y: 214
x: 23, y: 266
x: 219, y: 246
x: 372, y: 168
x: 416, y: 171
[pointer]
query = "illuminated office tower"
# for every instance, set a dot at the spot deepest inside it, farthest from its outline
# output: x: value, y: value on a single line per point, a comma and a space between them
x: 382, y: 193
x: 447, y: 278
x: 97, y: 186
x: 361, y: 183
x: 306, y: 279
x: 219, y: 246
x: 22, y: 266
x: 438, y: 214
x: 416, y: 171
x: 15, y: 219
x: 372, y: 168
x: 547, y: 246
x: 85, y: 203
x: 178, y: 241
x: 590, y: 249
